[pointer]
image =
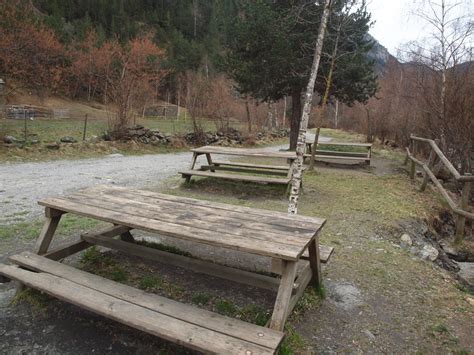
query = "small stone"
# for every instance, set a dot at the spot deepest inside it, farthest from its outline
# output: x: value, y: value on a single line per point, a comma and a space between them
x: 68, y: 139
x: 369, y: 334
x: 429, y: 253
x: 405, y: 240
x: 115, y: 155
x: 53, y: 146
x: 466, y: 274
x: 9, y: 139
x: 470, y: 300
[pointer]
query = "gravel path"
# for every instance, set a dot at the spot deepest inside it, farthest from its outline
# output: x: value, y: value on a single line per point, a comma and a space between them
x: 22, y: 185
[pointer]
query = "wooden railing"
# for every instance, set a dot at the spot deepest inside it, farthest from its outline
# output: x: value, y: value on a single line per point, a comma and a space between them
x: 462, y: 210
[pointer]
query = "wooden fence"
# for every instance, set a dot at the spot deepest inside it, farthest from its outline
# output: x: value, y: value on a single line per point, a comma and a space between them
x: 436, y: 155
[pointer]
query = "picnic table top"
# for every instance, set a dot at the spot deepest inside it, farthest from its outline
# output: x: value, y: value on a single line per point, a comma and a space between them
x: 253, y: 152
x: 251, y: 230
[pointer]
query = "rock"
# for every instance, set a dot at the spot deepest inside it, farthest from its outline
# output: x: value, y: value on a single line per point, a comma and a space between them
x: 452, y: 252
x: 369, y: 334
x: 68, y: 139
x: 115, y: 155
x: 53, y: 146
x: 405, y: 241
x: 466, y: 275
x: 470, y: 300
x: 94, y: 139
x: 429, y: 253
x: 344, y: 295
x: 144, y: 139
x: 9, y: 139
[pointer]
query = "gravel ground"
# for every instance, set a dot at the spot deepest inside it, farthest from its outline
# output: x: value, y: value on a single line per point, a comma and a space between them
x: 22, y: 185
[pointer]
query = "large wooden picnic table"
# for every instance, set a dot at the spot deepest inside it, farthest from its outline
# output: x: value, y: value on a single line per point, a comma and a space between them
x: 258, y: 232
x: 252, y: 172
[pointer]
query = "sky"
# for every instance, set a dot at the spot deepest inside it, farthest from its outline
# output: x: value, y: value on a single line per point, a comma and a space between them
x: 396, y: 24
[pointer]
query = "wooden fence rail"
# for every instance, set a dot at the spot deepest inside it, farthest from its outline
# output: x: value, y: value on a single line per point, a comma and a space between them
x: 462, y: 210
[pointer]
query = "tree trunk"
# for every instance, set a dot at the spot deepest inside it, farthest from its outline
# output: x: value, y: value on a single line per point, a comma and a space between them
x: 249, y: 119
x: 300, y: 146
x: 295, y: 118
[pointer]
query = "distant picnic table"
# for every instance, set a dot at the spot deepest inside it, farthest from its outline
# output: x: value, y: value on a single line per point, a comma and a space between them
x: 251, y: 172
x: 261, y: 233
x: 330, y: 154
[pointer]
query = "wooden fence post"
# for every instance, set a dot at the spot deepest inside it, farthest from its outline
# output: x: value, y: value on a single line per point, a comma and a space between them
x: 461, y: 220
x: 85, y: 128
x: 413, y: 166
x: 430, y: 164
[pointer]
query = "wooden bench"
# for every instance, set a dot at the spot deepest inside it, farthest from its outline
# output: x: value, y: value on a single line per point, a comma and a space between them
x: 282, y: 237
x: 324, y: 154
x: 256, y: 170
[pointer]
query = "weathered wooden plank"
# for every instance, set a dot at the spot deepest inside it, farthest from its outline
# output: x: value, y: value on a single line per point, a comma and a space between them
x: 249, y: 165
x: 131, y: 314
x: 244, y: 170
x: 337, y: 153
x: 280, y: 311
x: 273, y: 249
x: 64, y: 251
x: 347, y: 144
x: 244, y: 152
x: 67, y: 250
x: 248, y: 178
x: 234, y: 218
x: 200, y: 317
x: 273, y: 216
x: 193, y: 218
x: 335, y: 157
x: 196, y: 265
x: 315, y: 262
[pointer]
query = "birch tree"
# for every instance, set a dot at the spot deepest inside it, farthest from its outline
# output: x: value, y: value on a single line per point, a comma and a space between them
x: 298, y: 164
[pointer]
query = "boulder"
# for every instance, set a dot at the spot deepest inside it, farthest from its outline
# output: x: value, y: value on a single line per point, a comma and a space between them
x: 68, y: 139
x: 405, y: 241
x: 466, y: 274
x: 429, y: 253
x: 9, y: 139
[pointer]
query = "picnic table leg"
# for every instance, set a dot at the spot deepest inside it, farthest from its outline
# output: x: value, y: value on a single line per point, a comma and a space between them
x: 46, y: 236
x: 209, y: 161
x: 315, y: 262
x: 49, y: 228
x: 280, y: 311
x: 191, y: 167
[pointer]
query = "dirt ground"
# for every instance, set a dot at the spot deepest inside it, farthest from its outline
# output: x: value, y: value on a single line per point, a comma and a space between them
x: 379, y: 298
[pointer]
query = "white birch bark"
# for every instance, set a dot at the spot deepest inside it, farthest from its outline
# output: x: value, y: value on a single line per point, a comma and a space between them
x: 298, y: 164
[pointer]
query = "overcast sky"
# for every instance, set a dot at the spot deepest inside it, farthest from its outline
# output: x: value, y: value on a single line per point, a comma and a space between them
x: 395, y: 23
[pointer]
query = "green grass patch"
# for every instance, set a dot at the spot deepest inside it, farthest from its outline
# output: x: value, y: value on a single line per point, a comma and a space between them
x: 201, y: 298
x: 226, y: 308
x: 37, y: 300
x: 150, y: 282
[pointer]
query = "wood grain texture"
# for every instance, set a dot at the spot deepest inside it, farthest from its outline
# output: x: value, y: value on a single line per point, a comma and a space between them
x: 148, y: 312
x: 244, y: 152
x: 248, y: 178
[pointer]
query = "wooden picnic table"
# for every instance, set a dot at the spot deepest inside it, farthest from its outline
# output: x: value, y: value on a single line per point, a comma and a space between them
x: 253, y: 172
x: 327, y: 154
x: 258, y: 232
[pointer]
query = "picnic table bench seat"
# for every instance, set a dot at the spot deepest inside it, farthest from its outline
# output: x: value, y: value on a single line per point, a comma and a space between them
x: 279, y: 236
x: 183, y: 324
